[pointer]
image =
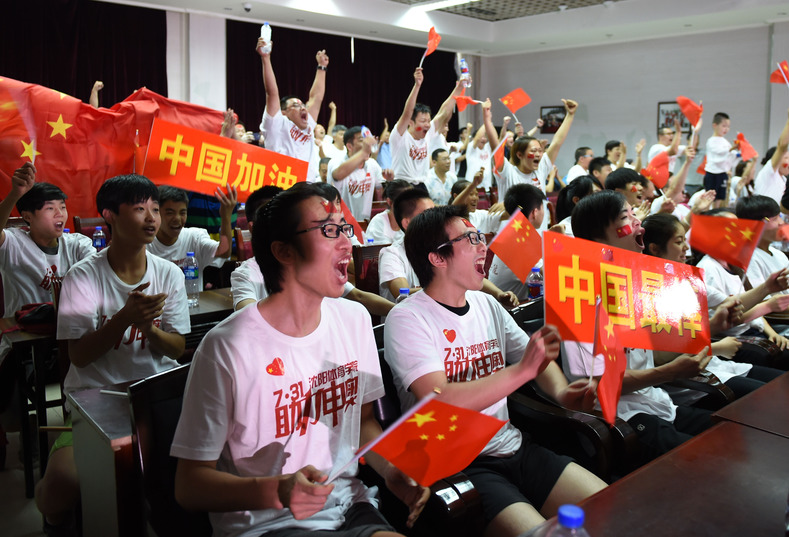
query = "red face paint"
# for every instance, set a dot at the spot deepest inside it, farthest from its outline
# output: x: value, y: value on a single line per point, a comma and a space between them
x: 624, y: 231
x: 634, y: 188
x: 531, y: 156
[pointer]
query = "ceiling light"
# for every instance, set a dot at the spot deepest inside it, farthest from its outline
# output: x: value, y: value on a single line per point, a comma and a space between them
x: 430, y: 6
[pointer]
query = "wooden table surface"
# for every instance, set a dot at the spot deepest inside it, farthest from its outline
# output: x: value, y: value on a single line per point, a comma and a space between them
x: 766, y: 409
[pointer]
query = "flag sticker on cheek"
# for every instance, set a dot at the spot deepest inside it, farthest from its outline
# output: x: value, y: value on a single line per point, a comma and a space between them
x: 624, y: 231
x: 634, y: 188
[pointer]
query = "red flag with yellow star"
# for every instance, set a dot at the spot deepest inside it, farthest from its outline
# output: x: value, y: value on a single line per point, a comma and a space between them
x: 609, y: 389
x: 657, y: 170
x: 518, y: 245
x: 781, y: 75
x: 436, y: 440
x: 515, y: 100
x: 732, y: 240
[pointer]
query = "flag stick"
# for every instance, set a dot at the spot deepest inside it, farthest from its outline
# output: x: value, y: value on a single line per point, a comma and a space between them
x: 783, y: 74
x: 515, y: 118
x: 367, y: 447
x: 424, y: 55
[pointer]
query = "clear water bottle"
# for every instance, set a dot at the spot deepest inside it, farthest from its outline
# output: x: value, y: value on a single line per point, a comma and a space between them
x: 465, y: 77
x: 404, y: 292
x: 265, y: 33
x: 570, y: 523
x: 192, y: 278
x: 99, y: 239
x: 535, y: 283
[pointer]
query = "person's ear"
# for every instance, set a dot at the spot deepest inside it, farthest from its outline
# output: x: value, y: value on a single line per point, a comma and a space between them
x: 108, y: 216
x: 653, y: 249
x: 283, y: 252
x: 576, y: 199
x: 436, y: 259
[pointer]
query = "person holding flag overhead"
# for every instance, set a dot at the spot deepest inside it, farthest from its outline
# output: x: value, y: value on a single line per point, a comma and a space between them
x: 455, y: 338
x: 771, y: 179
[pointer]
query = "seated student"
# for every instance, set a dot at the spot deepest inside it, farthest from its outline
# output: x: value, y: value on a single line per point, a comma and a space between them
x: 173, y: 241
x: 519, y: 482
x: 664, y: 237
x: 766, y: 258
x: 123, y: 312
x: 383, y: 226
x: 529, y: 199
x: 771, y: 179
x: 741, y: 184
x: 356, y: 174
x: 661, y: 425
x: 599, y: 168
x: 465, y: 193
x: 258, y: 461
x: 633, y: 186
x: 30, y: 261
x: 246, y: 281
x: 568, y: 197
x: 440, y: 178
x: 583, y: 156
x: 323, y: 169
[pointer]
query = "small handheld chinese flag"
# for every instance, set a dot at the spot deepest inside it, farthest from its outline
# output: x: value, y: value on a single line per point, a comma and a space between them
x: 700, y: 170
x: 657, y: 170
x: 357, y: 228
x: 732, y: 240
x: 691, y: 110
x: 498, y: 156
x: 433, y: 39
x: 464, y: 100
x: 747, y: 151
x: 436, y: 440
x: 781, y: 75
x: 518, y: 245
x: 515, y: 100
x: 609, y: 389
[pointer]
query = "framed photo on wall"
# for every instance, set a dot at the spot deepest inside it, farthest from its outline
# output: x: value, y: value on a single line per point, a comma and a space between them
x: 552, y: 117
x: 667, y: 112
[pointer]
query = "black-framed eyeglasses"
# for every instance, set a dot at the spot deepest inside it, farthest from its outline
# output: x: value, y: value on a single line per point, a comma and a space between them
x: 474, y: 238
x: 331, y: 231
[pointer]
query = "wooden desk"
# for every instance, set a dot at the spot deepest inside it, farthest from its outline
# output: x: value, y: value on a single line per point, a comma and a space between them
x: 215, y: 306
x: 109, y: 485
x: 35, y: 349
x: 766, y: 409
x: 729, y: 480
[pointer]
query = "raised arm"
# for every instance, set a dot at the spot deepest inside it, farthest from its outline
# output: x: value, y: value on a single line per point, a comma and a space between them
x: 447, y: 107
x: 227, y: 202
x: 676, y: 185
x: 332, y: 118
x: 318, y: 88
x: 354, y: 161
x: 489, y: 128
x: 21, y: 182
x: 780, y: 149
x: 410, y: 102
x: 503, y: 131
x: 537, y: 125
x: 94, y: 93
x: 269, y: 80
x: 570, y: 107
x: 639, y: 148
x: 674, y: 147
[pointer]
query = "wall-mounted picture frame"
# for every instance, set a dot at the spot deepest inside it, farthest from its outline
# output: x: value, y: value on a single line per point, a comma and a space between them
x: 552, y: 117
x: 667, y: 112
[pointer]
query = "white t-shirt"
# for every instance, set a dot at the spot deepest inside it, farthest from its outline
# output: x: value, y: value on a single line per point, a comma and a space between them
x: 765, y: 263
x: 358, y: 187
x: 720, y: 158
x: 720, y: 285
x: 476, y: 158
x: 244, y: 399
x: 484, y: 221
x: 380, y: 230
x: 393, y: 263
x: 410, y: 160
x: 422, y: 337
x: 330, y: 150
x: 440, y: 192
x: 656, y: 149
x: 28, y: 271
x: 92, y: 293
x: 578, y: 362
x: 770, y: 183
x: 574, y: 173
x: 191, y: 239
x: 510, y: 175
x: 283, y: 136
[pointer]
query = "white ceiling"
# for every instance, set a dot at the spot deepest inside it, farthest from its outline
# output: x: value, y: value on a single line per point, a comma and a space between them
x: 384, y: 20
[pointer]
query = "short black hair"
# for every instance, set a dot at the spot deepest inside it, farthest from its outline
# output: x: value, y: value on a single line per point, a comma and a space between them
x: 171, y: 193
x: 459, y: 186
x: 40, y: 193
x: 258, y: 198
x: 579, y: 187
x: 283, y: 101
x: 350, y: 133
x: 437, y: 152
x: 719, y: 117
x: 324, y: 160
x: 405, y: 204
x: 328, y: 192
x: 129, y: 189
x: 425, y: 233
x: 757, y: 207
x: 620, y: 177
x: 393, y: 188
x: 420, y: 108
x: 593, y: 214
x: 278, y: 220
x: 769, y: 155
x: 659, y: 228
x: 338, y: 128
x: 597, y: 164
x: 611, y: 144
x: 581, y: 151
x: 523, y: 196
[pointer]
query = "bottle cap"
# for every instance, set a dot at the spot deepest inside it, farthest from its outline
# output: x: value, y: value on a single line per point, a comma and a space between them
x: 405, y: 290
x: 571, y: 516
x: 98, y: 228
x: 190, y: 254
x: 66, y: 230
x: 535, y: 269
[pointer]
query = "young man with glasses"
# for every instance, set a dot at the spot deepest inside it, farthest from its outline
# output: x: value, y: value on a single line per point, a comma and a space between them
x: 291, y: 131
x: 280, y: 394
x: 457, y: 339
x: 668, y: 141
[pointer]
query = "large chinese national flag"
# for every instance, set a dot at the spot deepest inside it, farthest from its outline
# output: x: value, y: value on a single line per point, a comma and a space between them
x: 732, y: 240
x: 515, y: 100
x: 518, y: 245
x: 780, y: 75
x: 436, y: 440
x: 77, y: 147
x: 606, y: 345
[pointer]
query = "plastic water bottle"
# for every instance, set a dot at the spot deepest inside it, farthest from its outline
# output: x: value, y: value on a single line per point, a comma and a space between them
x: 571, y: 523
x: 265, y: 33
x: 66, y: 230
x: 192, y: 278
x: 535, y: 283
x: 465, y: 78
x: 404, y: 292
x: 99, y: 239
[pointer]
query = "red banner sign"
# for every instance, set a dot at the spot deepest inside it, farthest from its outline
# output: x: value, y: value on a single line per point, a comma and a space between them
x: 199, y: 161
x: 657, y: 304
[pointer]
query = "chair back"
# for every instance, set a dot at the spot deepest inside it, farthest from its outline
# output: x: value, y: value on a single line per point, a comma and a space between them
x: 156, y: 406
x: 365, y: 262
x: 484, y: 201
x: 387, y: 408
x: 530, y: 316
x: 378, y: 207
x: 243, y: 244
x: 87, y: 226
